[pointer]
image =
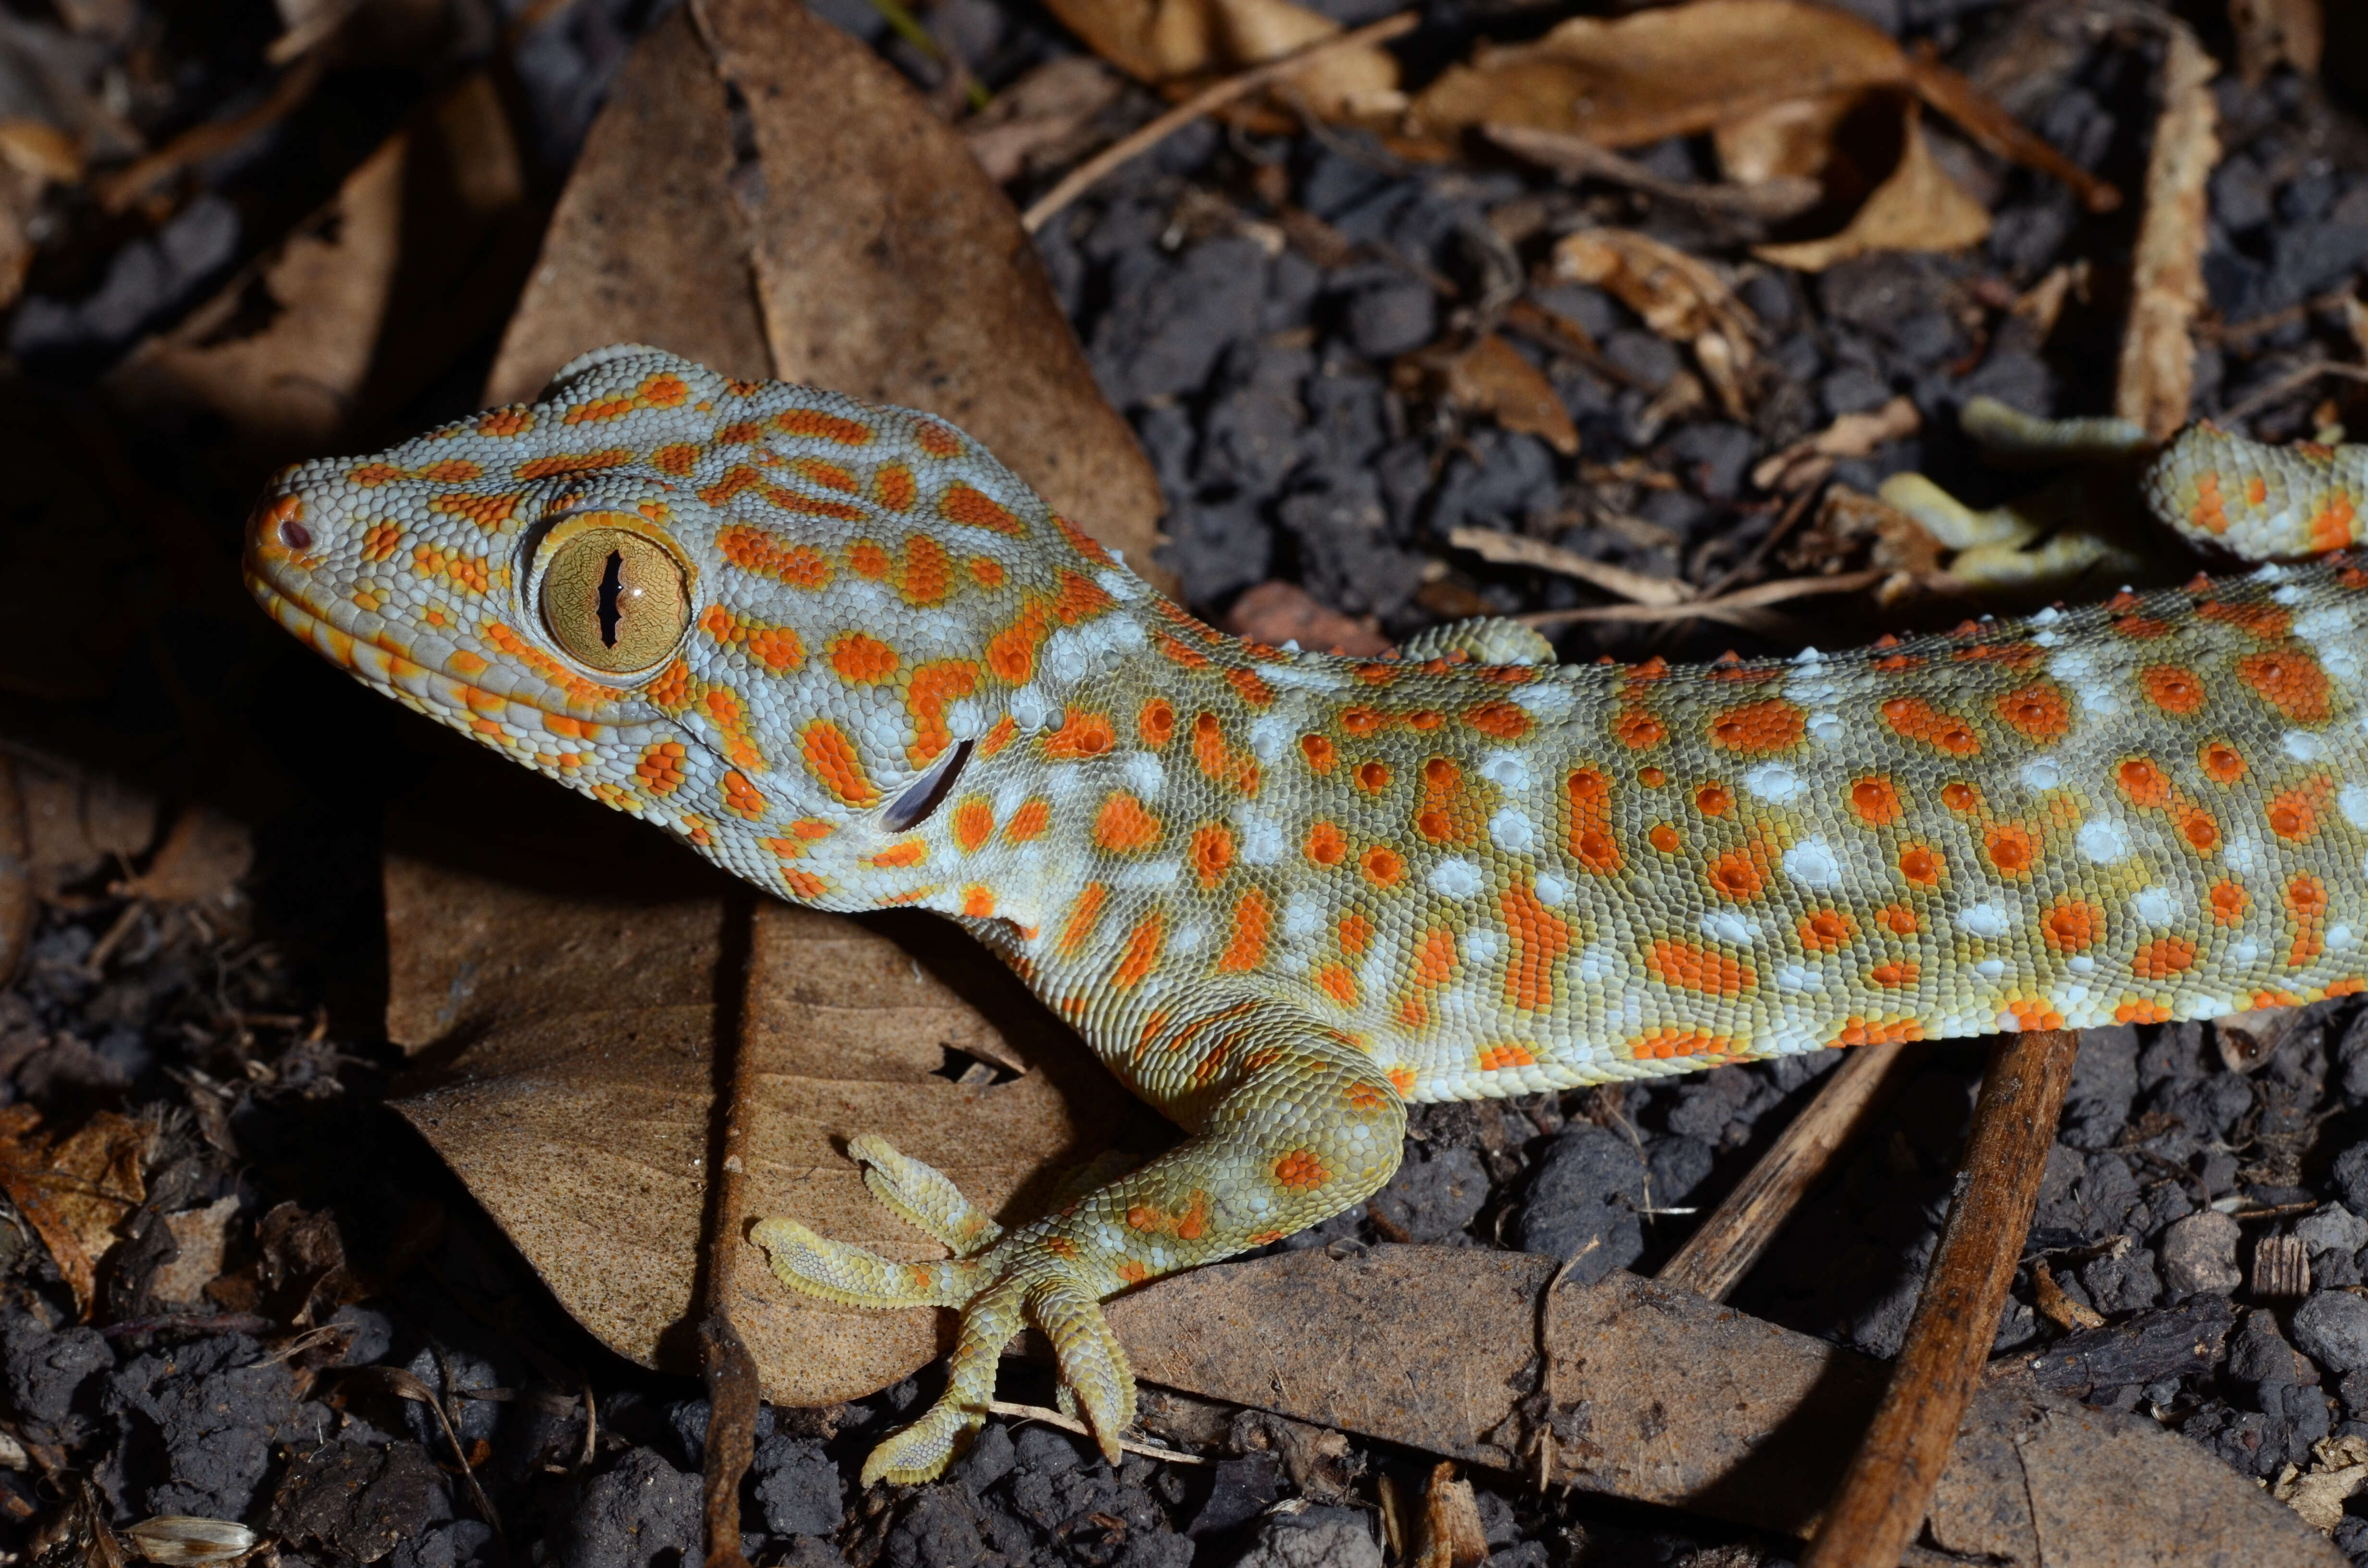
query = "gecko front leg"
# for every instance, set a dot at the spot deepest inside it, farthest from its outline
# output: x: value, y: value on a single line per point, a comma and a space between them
x: 1289, y: 1126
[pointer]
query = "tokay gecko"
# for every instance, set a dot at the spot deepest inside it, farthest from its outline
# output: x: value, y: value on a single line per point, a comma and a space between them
x: 843, y: 653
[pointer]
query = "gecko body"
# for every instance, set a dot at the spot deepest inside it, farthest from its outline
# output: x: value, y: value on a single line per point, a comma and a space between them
x: 841, y: 651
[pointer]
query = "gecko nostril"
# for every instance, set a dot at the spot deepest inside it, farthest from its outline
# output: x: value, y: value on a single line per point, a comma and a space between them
x: 295, y: 535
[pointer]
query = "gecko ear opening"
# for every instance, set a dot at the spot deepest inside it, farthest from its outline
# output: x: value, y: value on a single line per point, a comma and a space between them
x: 912, y: 808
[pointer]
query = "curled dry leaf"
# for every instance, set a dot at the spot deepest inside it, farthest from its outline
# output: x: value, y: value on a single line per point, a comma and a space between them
x: 353, y: 315
x: 2339, y: 1470
x: 574, y: 985
x: 2157, y: 380
x: 1684, y: 299
x: 1180, y: 40
x: 1276, y: 612
x: 1683, y: 1402
x: 1916, y: 208
x: 74, y: 1191
x: 1807, y: 461
x: 1490, y: 377
x: 1045, y: 119
x: 862, y: 249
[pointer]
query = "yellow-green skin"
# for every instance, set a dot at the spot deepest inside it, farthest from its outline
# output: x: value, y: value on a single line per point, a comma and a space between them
x: 1285, y: 895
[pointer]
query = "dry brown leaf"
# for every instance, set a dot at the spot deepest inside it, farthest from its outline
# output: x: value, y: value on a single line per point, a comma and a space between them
x: 79, y: 826
x: 1181, y: 40
x: 2157, y: 379
x: 571, y: 982
x: 199, y: 1238
x: 353, y: 315
x: 1491, y: 379
x: 1045, y: 119
x: 1275, y: 613
x: 203, y: 860
x: 1680, y: 297
x: 1918, y: 208
x: 864, y: 249
x: 74, y: 1191
x: 1807, y: 461
x: 1671, y: 1399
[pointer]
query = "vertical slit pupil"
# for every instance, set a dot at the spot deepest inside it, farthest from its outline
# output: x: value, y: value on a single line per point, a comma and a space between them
x: 612, y: 588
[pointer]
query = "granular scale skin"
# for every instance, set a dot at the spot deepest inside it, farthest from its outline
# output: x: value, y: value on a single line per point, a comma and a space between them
x: 841, y: 651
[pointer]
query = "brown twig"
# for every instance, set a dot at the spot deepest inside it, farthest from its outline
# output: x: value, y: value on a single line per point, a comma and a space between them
x: 731, y: 1387
x: 1727, y: 609
x: 1785, y: 196
x: 1884, y: 1494
x: 1215, y: 96
x: 118, y: 190
x: 1717, y: 1256
x: 2300, y: 376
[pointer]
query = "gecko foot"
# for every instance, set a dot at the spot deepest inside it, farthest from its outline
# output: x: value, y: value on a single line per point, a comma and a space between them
x: 999, y: 1282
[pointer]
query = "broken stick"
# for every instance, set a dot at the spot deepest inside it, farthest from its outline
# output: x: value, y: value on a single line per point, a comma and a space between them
x: 1718, y: 1255
x: 1889, y: 1484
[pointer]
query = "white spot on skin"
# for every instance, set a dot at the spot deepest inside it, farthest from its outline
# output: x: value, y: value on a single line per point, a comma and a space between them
x: 2097, y: 698
x: 1454, y: 878
x: 1505, y: 770
x: 1773, y: 782
x: 1301, y: 918
x: 2302, y: 746
x: 2156, y: 906
x: 1269, y: 736
x: 2243, y: 953
x: 2041, y: 773
x: 2047, y: 617
x: 2289, y: 595
x: 2340, y: 937
x: 1187, y: 939
x: 1261, y: 837
x: 1827, y: 728
x: 1479, y: 946
x: 1027, y: 709
x: 1596, y: 964
x: 1512, y: 832
x: 1547, y: 699
x: 1808, y: 656
x: 2342, y: 664
x: 2102, y: 841
x: 1982, y: 920
x: 1793, y: 977
x: 1812, y: 864
x: 1158, y: 874
x: 1990, y: 969
x: 2047, y: 639
x: 1144, y: 774
x: 2242, y: 852
x: 1552, y: 891
x: 2352, y: 802
x: 1726, y: 926
x: 2083, y: 964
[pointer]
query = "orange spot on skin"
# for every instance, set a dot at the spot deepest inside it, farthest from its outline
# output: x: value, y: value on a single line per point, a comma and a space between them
x: 660, y: 768
x: 2027, y: 1013
x: 2174, y: 690
x: 2223, y: 764
x: 2141, y: 1012
x: 1712, y: 800
x: 978, y: 902
x: 1492, y: 1058
x: 1651, y: 777
x: 1011, y: 652
x: 2010, y: 849
x: 1125, y: 826
x: 974, y: 824
x: 865, y: 661
x: 1372, y: 777
x: 2306, y: 901
x: 1300, y: 1171
x: 1664, y: 839
x: 1320, y: 753
x: 2142, y: 782
x: 911, y: 852
x: 2331, y: 528
x: 1899, y: 919
x: 1082, y: 734
x: 2290, y: 682
x: 1665, y: 1044
x: 1327, y: 844
x: 1142, y: 953
x: 1381, y: 865
x: 975, y: 508
x: 2228, y: 902
x: 1591, y: 842
x: 2293, y: 816
x: 1082, y: 915
x: 1156, y: 723
x: 2267, y: 622
x: 1335, y: 981
x: 2161, y: 959
x: 1540, y: 939
x: 894, y: 488
x: 1690, y: 967
x: 1638, y: 730
x: 1212, y: 852
x: 1246, y: 949
x: 1922, y: 865
x: 1356, y: 933
x: 1826, y: 930
x: 742, y: 799
x: 2209, y: 513
x: 1960, y: 797
x: 1029, y: 822
x: 2199, y: 831
x: 1875, y: 1031
x: 1876, y: 802
x: 1913, y: 719
x: 1435, y: 961
x: 754, y: 550
x: 1896, y: 976
x: 1734, y: 878
x: 834, y: 763
x: 821, y: 426
x: 2072, y: 925
x: 1759, y: 728
x: 1505, y: 720
x: 2036, y: 712
x: 987, y: 572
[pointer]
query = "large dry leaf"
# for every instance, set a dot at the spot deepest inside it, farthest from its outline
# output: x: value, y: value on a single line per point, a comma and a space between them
x: 1666, y: 1397
x: 350, y: 317
x: 1918, y: 208
x: 74, y: 1191
x: 860, y: 248
x: 573, y: 984
x: 1176, y: 41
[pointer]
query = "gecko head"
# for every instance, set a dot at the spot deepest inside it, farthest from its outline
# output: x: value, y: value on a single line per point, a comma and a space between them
x: 789, y: 660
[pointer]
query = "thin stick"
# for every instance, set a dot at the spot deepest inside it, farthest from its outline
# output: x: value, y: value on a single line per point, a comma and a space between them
x: 732, y: 1388
x: 1051, y: 1418
x: 1890, y: 1481
x: 1785, y: 196
x: 1215, y: 96
x: 1711, y: 609
x: 1716, y: 1257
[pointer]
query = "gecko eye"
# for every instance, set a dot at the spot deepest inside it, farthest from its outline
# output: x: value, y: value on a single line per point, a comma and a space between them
x: 615, y: 600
